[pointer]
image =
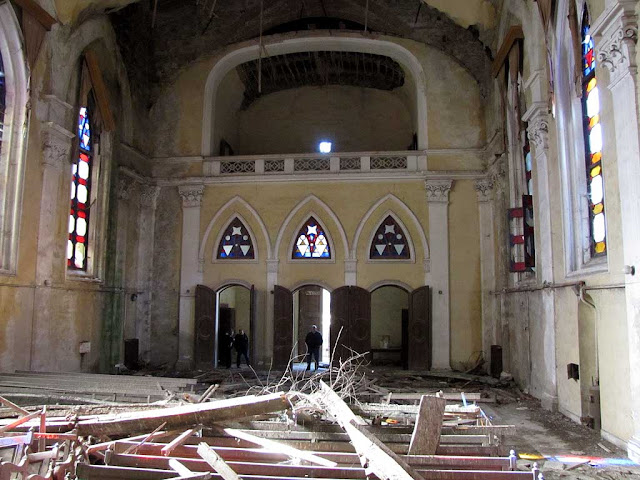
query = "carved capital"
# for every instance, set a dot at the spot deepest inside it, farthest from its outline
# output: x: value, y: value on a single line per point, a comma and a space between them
x: 56, y: 145
x: 272, y: 266
x: 497, y: 174
x: 537, y: 118
x: 126, y: 185
x: 350, y: 266
x: 438, y: 190
x: 191, y: 195
x: 617, y: 34
x: 149, y: 196
x: 484, y: 188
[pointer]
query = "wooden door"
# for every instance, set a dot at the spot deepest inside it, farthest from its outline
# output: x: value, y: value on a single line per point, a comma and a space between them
x: 205, y: 327
x: 339, y: 331
x: 282, y: 326
x: 419, y: 330
x: 252, y: 325
x: 309, y: 313
x: 359, y: 319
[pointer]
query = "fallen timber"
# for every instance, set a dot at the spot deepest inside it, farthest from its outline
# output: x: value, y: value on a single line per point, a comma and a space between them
x: 256, y: 437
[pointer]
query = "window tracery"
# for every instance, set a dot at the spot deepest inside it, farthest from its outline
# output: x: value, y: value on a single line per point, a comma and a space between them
x: 311, y: 241
x: 389, y: 242
x: 236, y: 242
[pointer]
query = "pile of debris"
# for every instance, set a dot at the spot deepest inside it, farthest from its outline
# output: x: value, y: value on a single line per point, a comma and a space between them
x: 301, y: 427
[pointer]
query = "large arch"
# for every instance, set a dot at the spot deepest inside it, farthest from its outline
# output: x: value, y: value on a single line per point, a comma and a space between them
x: 336, y: 42
x: 403, y: 206
x: 220, y: 212
x: 327, y: 210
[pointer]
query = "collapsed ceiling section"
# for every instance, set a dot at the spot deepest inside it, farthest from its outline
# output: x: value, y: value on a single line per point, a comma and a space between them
x: 281, y: 72
x: 159, y: 39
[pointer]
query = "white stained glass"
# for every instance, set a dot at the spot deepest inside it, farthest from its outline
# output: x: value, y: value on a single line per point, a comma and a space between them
x: 80, y: 255
x: 595, y: 139
x: 83, y: 170
x: 69, y: 249
x: 312, y: 229
x: 596, y: 189
x: 81, y: 228
x: 593, y: 102
x: 324, y: 147
x: 527, y: 162
x: 72, y: 223
x: 321, y: 246
x: 530, y: 186
x: 82, y: 194
x: 73, y: 190
x: 598, y: 227
x: 74, y: 169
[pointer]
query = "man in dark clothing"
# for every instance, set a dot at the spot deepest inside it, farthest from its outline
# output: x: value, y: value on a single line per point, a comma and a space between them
x: 314, y: 342
x: 241, y: 342
x: 225, y: 344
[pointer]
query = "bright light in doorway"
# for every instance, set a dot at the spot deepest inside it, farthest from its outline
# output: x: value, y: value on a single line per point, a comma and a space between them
x: 324, y: 147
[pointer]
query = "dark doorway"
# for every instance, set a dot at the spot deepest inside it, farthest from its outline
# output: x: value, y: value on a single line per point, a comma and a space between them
x: 389, y: 324
x: 235, y: 313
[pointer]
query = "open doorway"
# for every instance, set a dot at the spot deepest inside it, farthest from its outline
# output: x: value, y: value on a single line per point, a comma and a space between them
x: 311, y: 306
x: 234, y: 314
x: 389, y: 326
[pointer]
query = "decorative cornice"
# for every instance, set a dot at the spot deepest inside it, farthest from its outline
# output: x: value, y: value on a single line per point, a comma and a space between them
x: 149, y: 196
x: 483, y: 189
x: 438, y: 190
x: 617, y: 33
x: 191, y: 195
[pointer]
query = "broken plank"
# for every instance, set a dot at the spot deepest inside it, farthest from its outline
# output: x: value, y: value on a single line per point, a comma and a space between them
x: 19, y: 421
x: 179, y: 440
x: 279, y: 447
x: 13, y: 406
x: 426, y: 433
x: 146, y: 439
x: 187, y: 415
x: 216, y: 462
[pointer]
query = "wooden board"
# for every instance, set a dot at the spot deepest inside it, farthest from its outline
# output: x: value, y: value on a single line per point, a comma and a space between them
x: 419, y: 348
x: 205, y: 327
x: 282, y: 326
x: 426, y: 433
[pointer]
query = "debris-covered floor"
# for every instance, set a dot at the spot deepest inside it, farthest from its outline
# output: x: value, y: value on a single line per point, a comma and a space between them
x: 351, y: 421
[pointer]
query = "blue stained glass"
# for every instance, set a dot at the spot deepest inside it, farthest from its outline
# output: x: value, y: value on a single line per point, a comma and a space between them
x: 84, y: 131
x: 236, y: 242
x: 389, y: 241
x: 311, y: 241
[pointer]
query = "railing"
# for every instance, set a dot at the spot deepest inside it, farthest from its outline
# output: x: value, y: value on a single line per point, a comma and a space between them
x: 310, y: 163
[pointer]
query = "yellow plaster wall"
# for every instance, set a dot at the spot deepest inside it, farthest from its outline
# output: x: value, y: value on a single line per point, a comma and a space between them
x: 464, y: 280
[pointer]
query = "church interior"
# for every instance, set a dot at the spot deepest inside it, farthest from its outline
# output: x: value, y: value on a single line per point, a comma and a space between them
x: 446, y: 184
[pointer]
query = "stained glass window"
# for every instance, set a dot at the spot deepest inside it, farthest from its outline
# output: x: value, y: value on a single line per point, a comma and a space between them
x: 236, y: 242
x: 389, y: 241
x: 593, y: 142
x: 311, y: 241
x: 77, y: 244
x: 2, y: 101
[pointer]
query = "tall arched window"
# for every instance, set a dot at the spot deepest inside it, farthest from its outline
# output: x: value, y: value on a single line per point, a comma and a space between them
x: 592, y: 142
x: 236, y: 242
x: 13, y: 120
x: 311, y: 241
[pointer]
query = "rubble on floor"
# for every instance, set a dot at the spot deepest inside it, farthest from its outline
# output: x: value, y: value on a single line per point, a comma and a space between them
x: 341, y: 423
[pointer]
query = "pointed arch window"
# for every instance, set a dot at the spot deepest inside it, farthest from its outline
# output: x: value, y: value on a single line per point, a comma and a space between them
x: 592, y: 142
x: 389, y: 242
x: 311, y: 241
x: 236, y: 242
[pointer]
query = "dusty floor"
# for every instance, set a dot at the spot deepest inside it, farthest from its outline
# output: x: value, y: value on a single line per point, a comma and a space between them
x: 562, y: 448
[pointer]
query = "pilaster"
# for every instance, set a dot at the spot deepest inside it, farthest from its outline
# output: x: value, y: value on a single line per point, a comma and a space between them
x: 190, y: 275
x: 437, y: 192
x: 272, y: 281
x: 616, y: 33
x: 350, y: 272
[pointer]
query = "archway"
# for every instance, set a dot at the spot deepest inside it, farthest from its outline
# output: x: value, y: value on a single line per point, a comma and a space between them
x: 389, y: 325
x: 311, y: 306
x: 233, y: 317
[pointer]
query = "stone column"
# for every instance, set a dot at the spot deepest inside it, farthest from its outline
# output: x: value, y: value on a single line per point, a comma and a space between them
x: 616, y: 33
x: 146, y: 228
x: 190, y: 275
x: 484, y: 190
x: 350, y: 272
x: 438, y: 199
x: 272, y: 281
x: 543, y: 371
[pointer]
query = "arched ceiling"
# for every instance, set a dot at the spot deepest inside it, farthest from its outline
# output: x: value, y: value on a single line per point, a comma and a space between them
x: 159, y: 39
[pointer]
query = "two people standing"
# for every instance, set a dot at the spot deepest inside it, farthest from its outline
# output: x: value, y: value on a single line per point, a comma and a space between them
x: 227, y: 342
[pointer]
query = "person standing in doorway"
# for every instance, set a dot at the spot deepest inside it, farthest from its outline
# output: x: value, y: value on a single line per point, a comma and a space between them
x: 314, y: 342
x: 225, y: 344
x: 241, y: 342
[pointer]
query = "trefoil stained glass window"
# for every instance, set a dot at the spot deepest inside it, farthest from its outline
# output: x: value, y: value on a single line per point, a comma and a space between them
x: 236, y: 242
x: 77, y: 245
x: 311, y: 241
x: 593, y: 142
x: 389, y: 242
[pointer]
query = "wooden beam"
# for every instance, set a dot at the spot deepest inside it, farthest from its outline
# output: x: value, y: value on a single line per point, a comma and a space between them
x: 19, y: 421
x: 426, y: 433
x: 100, y: 90
x: 135, y: 447
x: 39, y: 13
x: 187, y: 415
x: 375, y: 457
x: 280, y: 447
x: 216, y: 462
x: 514, y: 34
x: 13, y: 406
x: 179, y: 440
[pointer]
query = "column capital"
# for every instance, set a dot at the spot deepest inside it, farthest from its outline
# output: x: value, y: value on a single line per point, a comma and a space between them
x: 56, y: 145
x: 616, y: 31
x: 272, y: 265
x: 438, y: 190
x: 191, y: 195
x: 125, y: 188
x: 537, y: 117
x: 484, y: 189
x: 149, y: 196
